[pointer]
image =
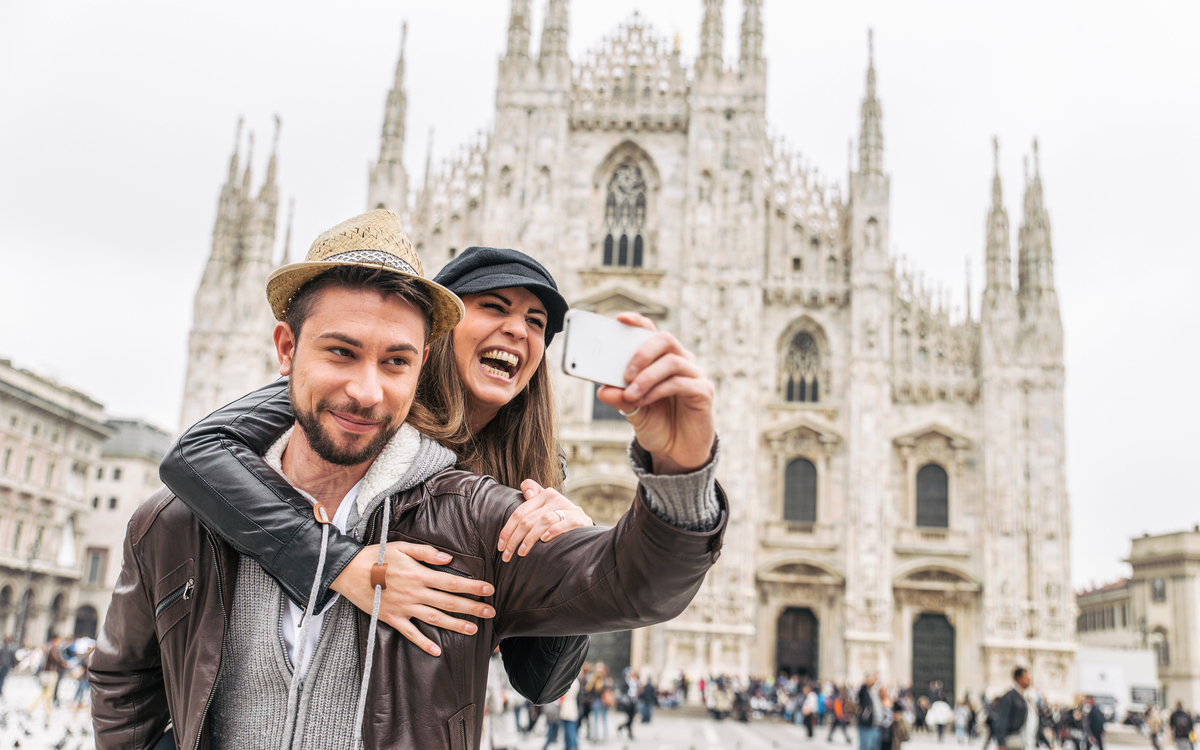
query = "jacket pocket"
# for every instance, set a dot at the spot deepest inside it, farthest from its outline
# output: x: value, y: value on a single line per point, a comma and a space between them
x: 462, y: 729
x: 173, y: 595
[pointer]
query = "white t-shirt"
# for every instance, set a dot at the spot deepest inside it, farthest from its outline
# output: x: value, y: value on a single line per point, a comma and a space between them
x: 293, y: 614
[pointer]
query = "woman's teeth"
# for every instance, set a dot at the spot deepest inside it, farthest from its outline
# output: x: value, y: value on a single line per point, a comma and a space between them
x: 504, y: 361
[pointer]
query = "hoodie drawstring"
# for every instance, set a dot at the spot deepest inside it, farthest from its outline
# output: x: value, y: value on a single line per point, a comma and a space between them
x: 293, y: 708
x: 366, y: 676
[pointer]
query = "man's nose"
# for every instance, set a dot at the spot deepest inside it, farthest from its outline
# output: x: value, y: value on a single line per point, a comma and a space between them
x: 365, y: 388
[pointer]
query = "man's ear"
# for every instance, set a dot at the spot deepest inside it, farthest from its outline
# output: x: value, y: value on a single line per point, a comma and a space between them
x: 285, y: 347
x: 424, y: 359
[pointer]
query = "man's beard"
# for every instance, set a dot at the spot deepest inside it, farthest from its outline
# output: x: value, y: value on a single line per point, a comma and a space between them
x: 326, y: 447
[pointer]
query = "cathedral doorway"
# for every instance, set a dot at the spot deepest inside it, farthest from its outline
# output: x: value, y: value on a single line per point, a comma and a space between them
x: 933, y: 656
x: 796, y: 643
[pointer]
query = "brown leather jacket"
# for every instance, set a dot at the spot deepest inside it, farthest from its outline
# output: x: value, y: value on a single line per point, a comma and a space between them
x: 157, y: 658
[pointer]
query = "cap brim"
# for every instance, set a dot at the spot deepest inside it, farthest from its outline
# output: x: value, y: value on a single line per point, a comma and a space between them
x: 283, y: 284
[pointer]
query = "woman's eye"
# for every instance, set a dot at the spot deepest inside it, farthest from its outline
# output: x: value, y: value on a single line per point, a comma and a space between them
x: 536, y: 322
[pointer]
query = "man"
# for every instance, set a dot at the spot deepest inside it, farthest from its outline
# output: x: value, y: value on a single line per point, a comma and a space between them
x: 870, y: 713
x: 1181, y: 727
x: 1095, y: 723
x: 1012, y: 713
x: 201, y: 637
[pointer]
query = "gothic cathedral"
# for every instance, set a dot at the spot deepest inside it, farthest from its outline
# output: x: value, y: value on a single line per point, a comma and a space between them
x: 896, y: 473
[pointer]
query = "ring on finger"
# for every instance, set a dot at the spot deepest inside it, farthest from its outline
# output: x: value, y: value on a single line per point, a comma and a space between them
x: 561, y: 516
x: 628, y: 414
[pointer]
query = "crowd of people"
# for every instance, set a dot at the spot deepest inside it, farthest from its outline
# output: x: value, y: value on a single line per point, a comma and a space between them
x: 583, y: 709
x: 52, y: 661
x: 1016, y: 719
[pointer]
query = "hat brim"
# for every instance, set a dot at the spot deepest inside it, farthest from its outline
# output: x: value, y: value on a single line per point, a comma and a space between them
x: 283, y: 284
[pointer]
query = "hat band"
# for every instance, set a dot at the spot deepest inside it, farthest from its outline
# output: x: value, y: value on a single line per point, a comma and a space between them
x: 374, y: 257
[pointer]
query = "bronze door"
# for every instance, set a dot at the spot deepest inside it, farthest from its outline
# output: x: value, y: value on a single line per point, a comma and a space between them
x: 796, y: 643
x: 933, y: 656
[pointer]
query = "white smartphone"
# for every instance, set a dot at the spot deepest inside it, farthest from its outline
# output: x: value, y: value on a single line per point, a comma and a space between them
x: 598, y: 348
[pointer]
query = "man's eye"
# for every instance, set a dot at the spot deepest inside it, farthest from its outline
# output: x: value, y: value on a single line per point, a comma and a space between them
x: 340, y: 351
x: 398, y: 361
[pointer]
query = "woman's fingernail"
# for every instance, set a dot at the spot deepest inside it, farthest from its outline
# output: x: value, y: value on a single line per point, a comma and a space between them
x: 521, y: 551
x: 506, y: 556
x: 435, y: 651
x: 529, y: 493
x: 546, y: 537
x: 488, y: 590
x: 444, y: 556
x: 500, y: 545
x: 633, y: 392
x: 630, y: 372
x: 489, y: 612
x: 471, y: 629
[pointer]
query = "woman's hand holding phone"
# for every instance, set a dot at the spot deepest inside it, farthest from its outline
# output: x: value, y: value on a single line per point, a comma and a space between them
x: 669, y: 401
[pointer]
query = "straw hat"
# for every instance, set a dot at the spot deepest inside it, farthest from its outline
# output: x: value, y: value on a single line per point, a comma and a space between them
x: 371, y: 240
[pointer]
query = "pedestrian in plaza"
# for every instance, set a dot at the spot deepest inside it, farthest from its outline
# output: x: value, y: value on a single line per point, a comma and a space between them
x: 8, y: 659
x: 52, y: 666
x: 808, y: 708
x: 940, y: 716
x: 1154, y: 725
x: 963, y: 716
x: 647, y: 700
x: 627, y: 705
x: 600, y: 688
x: 568, y: 716
x: 1095, y: 724
x: 356, y: 319
x: 553, y: 713
x: 837, y: 715
x: 1182, y: 726
x: 870, y: 713
x: 1012, y: 712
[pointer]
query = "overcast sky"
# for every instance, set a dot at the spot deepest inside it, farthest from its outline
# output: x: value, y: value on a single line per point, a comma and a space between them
x: 117, y: 121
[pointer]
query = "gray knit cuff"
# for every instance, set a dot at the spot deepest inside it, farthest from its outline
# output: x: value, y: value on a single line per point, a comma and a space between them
x: 686, y: 501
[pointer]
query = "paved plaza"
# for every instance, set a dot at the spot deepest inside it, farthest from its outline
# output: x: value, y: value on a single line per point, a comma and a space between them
x: 70, y: 730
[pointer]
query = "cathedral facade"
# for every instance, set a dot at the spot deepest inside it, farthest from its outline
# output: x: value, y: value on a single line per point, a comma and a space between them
x: 896, y: 473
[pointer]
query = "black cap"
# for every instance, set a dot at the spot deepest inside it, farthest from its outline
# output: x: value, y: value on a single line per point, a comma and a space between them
x: 484, y: 269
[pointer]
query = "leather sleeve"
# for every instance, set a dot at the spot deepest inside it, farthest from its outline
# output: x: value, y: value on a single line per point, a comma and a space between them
x: 543, y: 669
x: 129, y: 699
x: 593, y: 579
x: 217, y: 469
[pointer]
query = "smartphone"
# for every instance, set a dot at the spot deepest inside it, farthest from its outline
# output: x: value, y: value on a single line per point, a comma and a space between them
x: 598, y: 348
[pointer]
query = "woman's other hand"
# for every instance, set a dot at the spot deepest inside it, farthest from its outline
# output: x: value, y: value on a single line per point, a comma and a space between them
x: 414, y: 590
x: 538, y: 520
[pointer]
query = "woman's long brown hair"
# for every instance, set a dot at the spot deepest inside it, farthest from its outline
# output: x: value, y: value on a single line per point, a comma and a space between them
x: 519, y: 443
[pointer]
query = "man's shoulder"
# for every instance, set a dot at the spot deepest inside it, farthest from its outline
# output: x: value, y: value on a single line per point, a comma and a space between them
x: 162, y: 509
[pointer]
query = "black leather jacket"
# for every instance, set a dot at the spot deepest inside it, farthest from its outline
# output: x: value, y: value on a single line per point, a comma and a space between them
x: 217, y: 469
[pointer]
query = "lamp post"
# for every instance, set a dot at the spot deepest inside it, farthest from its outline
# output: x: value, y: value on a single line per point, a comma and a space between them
x: 19, y: 630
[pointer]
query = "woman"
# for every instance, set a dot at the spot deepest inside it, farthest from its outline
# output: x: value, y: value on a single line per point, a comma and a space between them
x: 485, y: 389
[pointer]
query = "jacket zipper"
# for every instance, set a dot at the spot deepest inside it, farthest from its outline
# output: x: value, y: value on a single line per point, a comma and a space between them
x: 184, y: 591
x: 462, y: 732
x: 448, y: 569
x: 225, y: 627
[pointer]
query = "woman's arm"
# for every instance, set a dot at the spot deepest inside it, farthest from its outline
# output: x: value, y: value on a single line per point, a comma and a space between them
x: 217, y: 469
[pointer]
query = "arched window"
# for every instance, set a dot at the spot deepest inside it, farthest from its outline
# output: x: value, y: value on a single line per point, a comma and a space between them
x: 625, y: 216
x: 801, y: 367
x: 800, y: 491
x: 933, y: 497
x: 1162, y: 650
x: 86, y: 620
